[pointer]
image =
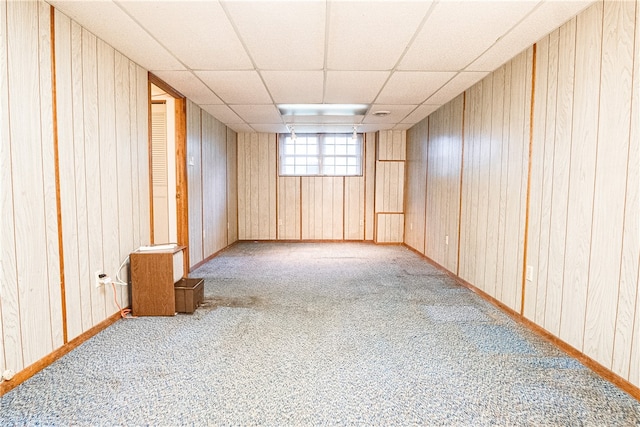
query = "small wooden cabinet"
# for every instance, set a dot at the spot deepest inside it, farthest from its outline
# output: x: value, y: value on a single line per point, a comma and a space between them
x: 153, y: 275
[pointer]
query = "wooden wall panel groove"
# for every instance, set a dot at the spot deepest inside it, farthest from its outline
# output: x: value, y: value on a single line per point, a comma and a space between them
x: 416, y: 178
x: 633, y: 203
x: 354, y: 208
x: 123, y: 169
x: 537, y: 164
x: 611, y: 170
x: 495, y: 176
x: 232, y: 186
x: 369, y: 190
x: 581, y: 176
x: 92, y: 165
x: 289, y: 208
x: 547, y: 180
x: 561, y: 168
x: 11, y: 354
x: 66, y: 152
x: 28, y: 177
x: 108, y: 173
x: 194, y: 178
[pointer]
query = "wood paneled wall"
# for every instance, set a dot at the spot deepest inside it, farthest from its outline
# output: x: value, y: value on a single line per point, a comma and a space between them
x: 31, y: 309
x: 100, y: 140
x: 211, y: 174
x: 584, y: 239
x: 389, y: 186
x: 257, y: 174
x: 104, y: 178
x: 317, y: 208
x: 579, y: 240
x: 444, y: 153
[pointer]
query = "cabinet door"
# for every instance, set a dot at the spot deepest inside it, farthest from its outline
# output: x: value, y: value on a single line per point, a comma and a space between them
x: 152, y: 291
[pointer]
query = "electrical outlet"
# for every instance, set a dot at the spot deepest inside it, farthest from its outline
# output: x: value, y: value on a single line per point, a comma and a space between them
x: 446, y: 240
x: 96, y: 278
x: 529, y: 273
x: 101, y: 279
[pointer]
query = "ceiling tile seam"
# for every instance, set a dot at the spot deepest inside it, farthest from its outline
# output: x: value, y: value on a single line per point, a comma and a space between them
x: 425, y: 18
x: 465, y: 68
x: 223, y: 5
x: 165, y: 48
x: 327, y: 10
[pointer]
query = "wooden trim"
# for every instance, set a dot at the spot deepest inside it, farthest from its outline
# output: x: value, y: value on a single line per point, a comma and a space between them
x: 603, y: 372
x: 464, y: 109
x: 375, y: 185
x: 182, y: 180
x: 529, y: 165
x: 56, y: 161
x: 426, y: 185
x: 369, y: 242
x: 158, y: 101
x: 364, y: 188
x: 300, y: 213
x: 391, y: 161
x: 277, y: 185
x: 153, y: 79
x: 36, y: 367
x: 150, y: 159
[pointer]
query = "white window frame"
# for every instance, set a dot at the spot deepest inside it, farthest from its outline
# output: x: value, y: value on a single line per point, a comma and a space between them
x: 322, y: 158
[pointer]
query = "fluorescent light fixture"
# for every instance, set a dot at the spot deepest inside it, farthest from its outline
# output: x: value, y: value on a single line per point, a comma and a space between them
x: 323, y: 109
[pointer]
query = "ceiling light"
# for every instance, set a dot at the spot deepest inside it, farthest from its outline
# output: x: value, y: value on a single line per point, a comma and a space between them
x: 381, y: 113
x: 323, y: 109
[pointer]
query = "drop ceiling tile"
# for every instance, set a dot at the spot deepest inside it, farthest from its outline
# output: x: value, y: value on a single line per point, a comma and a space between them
x: 403, y: 126
x: 544, y: 19
x: 371, y: 128
x: 442, y: 46
x: 295, y: 87
x: 456, y: 86
x: 371, y: 35
x: 266, y: 114
x: 281, y: 35
x: 397, y: 113
x: 353, y: 87
x: 240, y: 127
x: 190, y: 86
x: 198, y: 32
x: 222, y: 113
x: 412, y: 87
x: 236, y: 87
x: 420, y: 113
x: 110, y: 23
x: 270, y: 128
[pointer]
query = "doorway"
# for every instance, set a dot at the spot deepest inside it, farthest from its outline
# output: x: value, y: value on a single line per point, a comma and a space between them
x: 163, y: 166
x: 167, y: 166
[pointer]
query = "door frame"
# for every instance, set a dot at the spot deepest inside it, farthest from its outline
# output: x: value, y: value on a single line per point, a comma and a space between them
x: 182, y: 189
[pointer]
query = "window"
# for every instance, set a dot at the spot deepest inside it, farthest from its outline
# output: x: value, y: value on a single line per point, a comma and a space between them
x: 328, y: 154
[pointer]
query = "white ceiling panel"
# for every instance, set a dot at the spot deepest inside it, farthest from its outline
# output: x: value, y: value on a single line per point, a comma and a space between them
x: 443, y: 46
x: 456, y: 86
x: 110, y: 23
x: 236, y: 87
x: 420, y: 113
x: 242, y: 56
x: 190, y: 86
x: 281, y: 35
x: 412, y: 87
x: 353, y: 87
x: 222, y: 113
x: 295, y: 87
x: 371, y: 35
x: 402, y: 126
x: 258, y: 113
x: 270, y: 128
x: 544, y: 19
x: 397, y: 113
x: 240, y: 127
x: 199, y: 35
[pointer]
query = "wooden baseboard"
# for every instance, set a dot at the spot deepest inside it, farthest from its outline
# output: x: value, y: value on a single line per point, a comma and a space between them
x: 606, y: 373
x: 36, y: 367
